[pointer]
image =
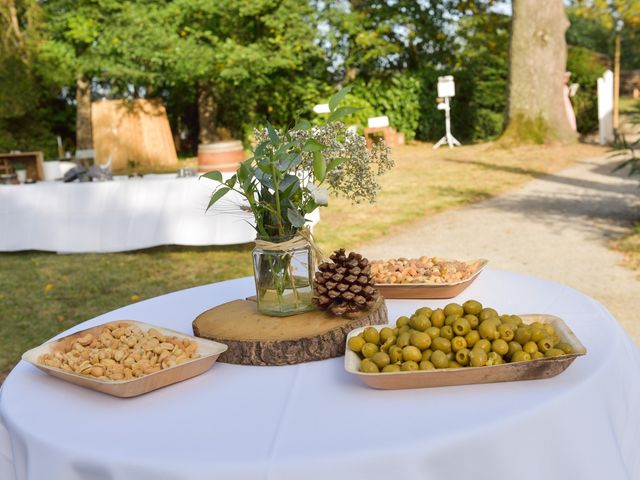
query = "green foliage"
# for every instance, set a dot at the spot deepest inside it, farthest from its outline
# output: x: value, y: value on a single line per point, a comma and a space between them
x: 586, y: 66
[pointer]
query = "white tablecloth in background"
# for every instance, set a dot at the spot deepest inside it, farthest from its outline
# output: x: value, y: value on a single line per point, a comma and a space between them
x: 118, y: 216
x: 314, y: 421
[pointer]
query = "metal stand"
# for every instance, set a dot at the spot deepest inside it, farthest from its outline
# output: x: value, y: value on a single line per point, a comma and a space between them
x: 448, y: 138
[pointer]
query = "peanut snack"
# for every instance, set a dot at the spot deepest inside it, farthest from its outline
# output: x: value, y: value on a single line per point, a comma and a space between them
x: 425, y: 270
x: 121, y: 351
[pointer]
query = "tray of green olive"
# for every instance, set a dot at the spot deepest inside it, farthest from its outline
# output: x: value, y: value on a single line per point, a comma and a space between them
x: 459, y: 345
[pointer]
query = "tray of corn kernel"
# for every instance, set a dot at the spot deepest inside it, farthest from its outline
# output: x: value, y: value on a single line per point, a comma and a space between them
x: 459, y: 345
x: 125, y: 358
x: 424, y: 277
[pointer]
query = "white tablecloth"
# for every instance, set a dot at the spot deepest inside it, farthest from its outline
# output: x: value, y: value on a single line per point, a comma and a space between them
x: 118, y: 216
x: 314, y: 421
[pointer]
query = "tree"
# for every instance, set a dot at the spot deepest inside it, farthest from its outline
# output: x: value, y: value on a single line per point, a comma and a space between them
x: 537, y: 64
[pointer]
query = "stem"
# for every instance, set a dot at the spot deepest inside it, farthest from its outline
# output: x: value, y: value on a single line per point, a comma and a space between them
x: 276, y: 185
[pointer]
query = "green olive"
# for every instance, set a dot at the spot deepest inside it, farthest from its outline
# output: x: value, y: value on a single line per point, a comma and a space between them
x: 424, y: 311
x: 472, y: 307
x: 367, y: 366
x: 545, y: 344
x: 426, y: 365
x: 404, y: 339
x: 454, y: 364
x: 426, y: 355
x: 450, y: 319
x: 530, y: 347
x: 513, y: 348
x: 356, y: 343
x: 458, y: 343
x: 420, y: 323
x: 381, y: 359
x: 402, y: 321
x: 553, y: 352
x: 411, y: 353
x: 446, y: 332
x: 477, y: 357
x: 396, y: 331
x: 439, y: 359
x: 493, y: 358
x: 472, y: 338
x: 461, y: 326
x: 433, y: 332
x: 386, y: 333
x: 522, y: 334
x: 486, y: 313
x: 391, y: 368
x: 368, y: 349
x: 537, y: 334
x: 473, y: 320
x: 565, y: 347
x: 420, y: 340
x: 441, y: 344
x: 395, y: 354
x: 451, y: 355
x: 516, y: 319
x: 506, y: 332
x: 409, y: 366
x: 537, y: 355
x: 520, y: 356
x: 387, y: 345
x: 551, y: 331
x: 484, y: 344
x: 500, y: 347
x: 437, y: 318
x: 462, y: 356
x: 371, y: 335
x: 404, y: 329
x: 454, y: 309
x: 487, y: 329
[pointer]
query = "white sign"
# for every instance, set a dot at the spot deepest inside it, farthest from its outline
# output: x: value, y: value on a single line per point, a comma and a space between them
x: 446, y: 87
x: 322, y: 108
x: 378, y: 122
x: 605, y: 107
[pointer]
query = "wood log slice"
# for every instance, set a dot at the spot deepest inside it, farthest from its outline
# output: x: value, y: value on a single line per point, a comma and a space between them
x: 257, y: 339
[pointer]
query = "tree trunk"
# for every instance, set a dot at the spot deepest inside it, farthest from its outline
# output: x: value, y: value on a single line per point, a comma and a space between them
x: 537, y: 63
x: 84, y: 134
x: 207, y: 110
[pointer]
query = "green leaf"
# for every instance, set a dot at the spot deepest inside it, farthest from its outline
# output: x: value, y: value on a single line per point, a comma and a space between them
x: 342, y: 112
x: 217, y: 195
x: 231, y: 182
x: 312, y: 145
x: 287, y: 182
x: 302, y: 124
x: 217, y: 176
x: 273, y: 135
x: 333, y: 163
x: 261, y: 149
x: 319, y: 166
x: 295, y: 218
x: 337, y: 98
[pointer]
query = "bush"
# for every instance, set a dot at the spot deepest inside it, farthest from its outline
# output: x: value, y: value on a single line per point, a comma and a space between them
x: 586, y: 66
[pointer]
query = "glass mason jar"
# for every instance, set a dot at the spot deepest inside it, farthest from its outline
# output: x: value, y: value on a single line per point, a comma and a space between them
x: 283, y: 279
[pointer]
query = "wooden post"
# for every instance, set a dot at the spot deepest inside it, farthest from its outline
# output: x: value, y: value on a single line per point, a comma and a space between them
x: 616, y: 86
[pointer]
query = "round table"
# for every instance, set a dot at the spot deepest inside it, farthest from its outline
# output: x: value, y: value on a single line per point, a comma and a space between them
x: 315, y: 421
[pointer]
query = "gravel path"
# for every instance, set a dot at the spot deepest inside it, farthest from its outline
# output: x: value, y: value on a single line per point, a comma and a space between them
x: 556, y: 227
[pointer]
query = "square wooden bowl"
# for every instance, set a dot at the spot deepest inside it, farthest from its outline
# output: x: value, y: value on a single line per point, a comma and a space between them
x: 508, y: 372
x: 430, y: 290
x: 207, y: 349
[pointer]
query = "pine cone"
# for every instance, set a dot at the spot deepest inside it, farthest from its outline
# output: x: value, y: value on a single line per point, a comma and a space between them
x: 344, y: 286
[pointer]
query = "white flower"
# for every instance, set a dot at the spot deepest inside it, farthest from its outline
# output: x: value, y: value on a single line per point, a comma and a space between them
x: 320, y: 195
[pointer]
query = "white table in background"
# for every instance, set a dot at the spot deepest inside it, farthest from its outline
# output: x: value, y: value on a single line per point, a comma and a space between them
x: 314, y: 421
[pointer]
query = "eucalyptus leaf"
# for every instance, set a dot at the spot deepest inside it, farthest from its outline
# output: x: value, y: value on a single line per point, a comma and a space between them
x: 341, y: 113
x: 273, y: 135
x: 217, y: 195
x: 312, y: 145
x: 295, y: 218
x: 288, y: 181
x: 231, y: 182
x: 319, y: 167
x: 333, y: 163
x: 215, y: 175
x: 335, y: 100
x: 302, y: 124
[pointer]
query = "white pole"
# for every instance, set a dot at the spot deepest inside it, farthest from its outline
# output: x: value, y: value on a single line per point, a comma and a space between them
x: 605, y: 107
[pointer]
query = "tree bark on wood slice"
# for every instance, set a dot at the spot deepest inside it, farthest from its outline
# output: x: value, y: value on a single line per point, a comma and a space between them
x: 256, y: 339
x: 537, y: 64
x: 84, y: 131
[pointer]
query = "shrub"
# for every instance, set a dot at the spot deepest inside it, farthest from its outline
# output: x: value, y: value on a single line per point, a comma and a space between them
x: 586, y: 66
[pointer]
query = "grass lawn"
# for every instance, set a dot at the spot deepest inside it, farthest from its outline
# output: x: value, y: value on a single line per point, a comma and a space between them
x: 42, y: 294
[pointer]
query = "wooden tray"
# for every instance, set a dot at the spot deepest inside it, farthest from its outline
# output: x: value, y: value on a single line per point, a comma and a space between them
x: 429, y: 290
x: 508, y: 372
x: 208, y: 350
x: 256, y: 339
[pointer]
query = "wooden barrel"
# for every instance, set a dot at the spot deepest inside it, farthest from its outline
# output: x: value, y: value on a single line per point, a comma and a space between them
x: 221, y: 156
